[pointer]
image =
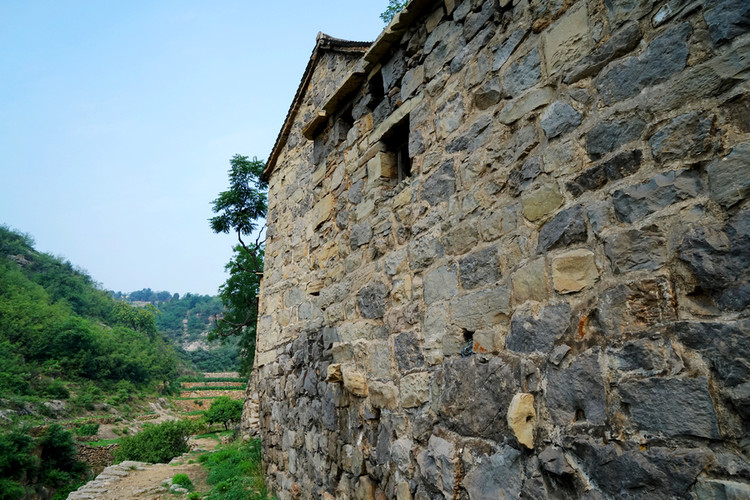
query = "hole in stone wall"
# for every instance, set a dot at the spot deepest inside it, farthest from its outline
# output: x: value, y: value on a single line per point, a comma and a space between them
x: 396, y: 142
x: 580, y: 415
x: 468, y: 335
x: 376, y: 91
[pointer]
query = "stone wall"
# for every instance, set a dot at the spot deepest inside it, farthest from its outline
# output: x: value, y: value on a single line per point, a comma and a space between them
x: 553, y: 302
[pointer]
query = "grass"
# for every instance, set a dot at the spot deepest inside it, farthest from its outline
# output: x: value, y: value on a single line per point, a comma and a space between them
x: 235, y: 472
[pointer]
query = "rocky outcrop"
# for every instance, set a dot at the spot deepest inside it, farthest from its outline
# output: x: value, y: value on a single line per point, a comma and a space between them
x: 508, y: 256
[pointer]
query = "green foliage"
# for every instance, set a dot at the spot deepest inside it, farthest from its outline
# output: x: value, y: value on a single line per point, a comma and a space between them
x: 239, y: 209
x: 394, y: 7
x: 58, y: 328
x: 236, y: 472
x: 87, y: 429
x: 184, y: 481
x: 156, y: 443
x: 224, y: 410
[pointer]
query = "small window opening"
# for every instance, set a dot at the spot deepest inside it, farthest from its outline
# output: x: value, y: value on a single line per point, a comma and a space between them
x: 375, y: 90
x: 397, y: 143
x: 343, y: 124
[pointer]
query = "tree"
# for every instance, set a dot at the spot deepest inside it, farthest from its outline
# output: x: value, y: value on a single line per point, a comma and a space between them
x: 394, y: 7
x: 224, y: 410
x: 241, y: 209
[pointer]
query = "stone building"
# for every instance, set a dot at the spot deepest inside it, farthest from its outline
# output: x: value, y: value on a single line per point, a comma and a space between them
x: 508, y: 256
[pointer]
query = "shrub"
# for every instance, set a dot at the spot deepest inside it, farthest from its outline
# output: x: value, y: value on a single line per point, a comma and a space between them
x: 156, y: 443
x: 87, y: 429
x: 184, y: 481
x: 224, y: 410
x: 57, y: 390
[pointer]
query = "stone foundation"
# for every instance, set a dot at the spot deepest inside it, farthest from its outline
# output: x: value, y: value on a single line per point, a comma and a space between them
x: 508, y: 256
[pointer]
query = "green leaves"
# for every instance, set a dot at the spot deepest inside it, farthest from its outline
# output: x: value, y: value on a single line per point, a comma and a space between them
x: 245, y: 202
x: 224, y: 410
x: 394, y: 7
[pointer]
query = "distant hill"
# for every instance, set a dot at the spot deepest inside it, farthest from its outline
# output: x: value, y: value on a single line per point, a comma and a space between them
x: 59, y: 332
x: 186, y: 321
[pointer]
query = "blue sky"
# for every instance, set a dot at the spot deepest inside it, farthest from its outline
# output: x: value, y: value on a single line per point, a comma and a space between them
x: 118, y: 120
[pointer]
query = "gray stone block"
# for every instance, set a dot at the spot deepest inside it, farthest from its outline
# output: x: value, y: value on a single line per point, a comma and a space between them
x: 371, y: 300
x: 727, y: 19
x: 622, y: 42
x: 617, y: 167
x: 495, y: 476
x: 609, y: 135
x: 577, y: 393
x: 440, y: 185
x: 520, y: 178
x: 479, y: 268
x: 671, y: 406
x: 482, y: 309
x: 559, y: 118
x: 522, y: 74
x: 666, y: 55
x: 729, y: 178
x: 440, y: 284
x: 407, y: 352
x: 531, y: 332
x: 565, y: 228
x: 685, y: 136
x: 636, y: 249
x: 361, y: 234
x: 636, y: 202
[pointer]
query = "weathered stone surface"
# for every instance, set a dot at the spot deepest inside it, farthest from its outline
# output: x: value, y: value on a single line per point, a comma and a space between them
x: 685, y: 136
x: 334, y: 373
x: 522, y: 74
x: 566, y: 40
x: 573, y: 271
x: 636, y: 249
x: 521, y: 107
x: 438, y: 466
x: 727, y: 19
x: 553, y: 460
x: 635, y: 306
x: 383, y: 395
x: 407, y: 352
x: 609, y: 135
x: 636, y: 202
x: 414, y: 389
x: 440, y: 284
x: 537, y: 331
x: 541, y: 201
x: 479, y: 268
x: 361, y: 234
x: 495, y: 476
x: 577, y: 393
x: 617, y: 167
x: 476, y: 395
x: 520, y: 178
x: 720, y: 259
x: 717, y: 489
x: 563, y: 229
x: 440, y: 185
x: 522, y: 418
x: 530, y: 282
x: 622, y: 42
x: 355, y: 382
x: 729, y: 177
x: 559, y: 118
x: 371, y: 300
x: 482, y: 309
x: 504, y: 50
x: 671, y: 406
x: 424, y: 251
x: 626, y: 471
x: 666, y: 55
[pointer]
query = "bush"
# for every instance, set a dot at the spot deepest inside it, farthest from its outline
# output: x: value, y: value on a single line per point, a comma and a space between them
x: 224, y: 410
x: 87, y: 429
x: 57, y: 390
x: 184, y: 481
x: 156, y: 443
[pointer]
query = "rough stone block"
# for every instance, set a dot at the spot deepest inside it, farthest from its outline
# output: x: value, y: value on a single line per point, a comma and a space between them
x: 636, y: 202
x: 334, y: 373
x: 407, y: 352
x: 537, y: 331
x: 354, y: 382
x: 636, y: 249
x: 505, y: 50
x: 440, y: 185
x: 371, y: 300
x: 361, y: 234
x: 619, y: 44
x: 479, y: 268
x: 522, y: 418
x: 577, y: 393
x: 521, y: 107
x: 540, y: 202
x: 321, y: 212
x: 414, y: 389
x: 573, y: 271
x: 522, y: 74
x: 685, y: 136
x: 672, y: 406
x: 617, y: 167
x: 566, y: 40
x: 383, y: 395
x: 440, y: 284
x: 727, y: 19
x: 563, y: 229
x: 729, y: 177
x: 609, y: 135
x: 530, y: 282
x: 666, y: 55
x: 635, y: 306
x: 482, y: 309
x: 559, y: 118
x: 496, y: 476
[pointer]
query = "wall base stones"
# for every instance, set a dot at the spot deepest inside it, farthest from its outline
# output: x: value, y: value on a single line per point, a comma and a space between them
x: 552, y: 300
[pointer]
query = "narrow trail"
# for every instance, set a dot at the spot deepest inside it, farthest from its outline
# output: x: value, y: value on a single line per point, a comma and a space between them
x: 131, y: 480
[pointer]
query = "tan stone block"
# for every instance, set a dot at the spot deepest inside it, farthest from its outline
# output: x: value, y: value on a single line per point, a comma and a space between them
x: 354, y: 382
x: 338, y: 176
x: 567, y: 39
x: 522, y: 106
x: 382, y: 166
x: 403, y: 198
x: 540, y: 202
x: 573, y: 271
x: 530, y: 282
x: 334, y: 373
x: 415, y: 389
x: 383, y: 395
x: 450, y: 5
x: 434, y: 20
x: 321, y: 212
x: 522, y: 418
